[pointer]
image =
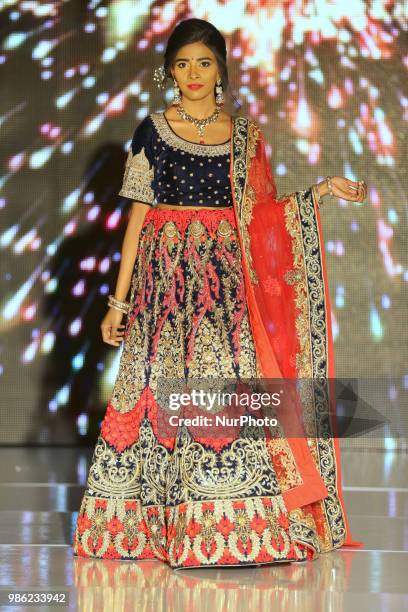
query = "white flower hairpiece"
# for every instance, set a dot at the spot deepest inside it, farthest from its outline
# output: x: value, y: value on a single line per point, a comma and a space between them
x: 159, y: 76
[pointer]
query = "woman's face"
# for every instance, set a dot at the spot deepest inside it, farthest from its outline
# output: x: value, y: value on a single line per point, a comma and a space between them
x: 195, y: 63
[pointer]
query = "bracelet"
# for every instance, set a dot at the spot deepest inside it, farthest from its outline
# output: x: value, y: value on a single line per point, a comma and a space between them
x: 123, y: 309
x: 329, y: 185
x: 118, y: 305
x: 118, y: 308
x: 112, y: 301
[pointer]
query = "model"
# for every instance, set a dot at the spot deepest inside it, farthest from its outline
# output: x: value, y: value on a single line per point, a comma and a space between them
x: 227, y: 282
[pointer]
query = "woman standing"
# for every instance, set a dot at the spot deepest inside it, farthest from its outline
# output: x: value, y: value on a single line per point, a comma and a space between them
x: 227, y: 282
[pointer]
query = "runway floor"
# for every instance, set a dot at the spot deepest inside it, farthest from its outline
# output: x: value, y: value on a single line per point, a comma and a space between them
x: 41, y: 490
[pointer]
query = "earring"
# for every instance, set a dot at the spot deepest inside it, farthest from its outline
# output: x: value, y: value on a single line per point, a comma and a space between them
x: 159, y: 75
x: 219, y: 98
x: 176, y: 92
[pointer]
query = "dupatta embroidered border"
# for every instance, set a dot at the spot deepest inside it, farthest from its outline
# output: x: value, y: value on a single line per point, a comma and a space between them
x: 311, y: 480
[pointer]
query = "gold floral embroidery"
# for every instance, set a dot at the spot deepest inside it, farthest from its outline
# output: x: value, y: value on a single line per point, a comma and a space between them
x: 222, y: 345
x: 248, y: 205
x: 180, y: 528
x: 130, y: 524
x: 137, y: 178
x: 208, y: 527
x: 243, y: 467
x: 246, y: 138
x: 271, y: 516
x: 292, y: 277
x: 156, y: 532
x: 98, y: 523
x: 250, y: 530
x: 300, y: 516
x: 244, y: 192
x: 312, y: 358
x: 280, y: 449
x: 171, y: 138
x: 296, y: 277
x: 242, y: 525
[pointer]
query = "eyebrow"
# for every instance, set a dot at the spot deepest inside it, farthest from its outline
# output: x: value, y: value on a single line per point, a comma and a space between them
x: 185, y: 59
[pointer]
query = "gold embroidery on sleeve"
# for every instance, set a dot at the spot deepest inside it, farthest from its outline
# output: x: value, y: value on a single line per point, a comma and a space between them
x: 137, y: 178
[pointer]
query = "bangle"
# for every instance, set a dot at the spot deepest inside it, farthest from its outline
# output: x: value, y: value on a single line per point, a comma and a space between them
x: 118, y: 305
x: 329, y: 185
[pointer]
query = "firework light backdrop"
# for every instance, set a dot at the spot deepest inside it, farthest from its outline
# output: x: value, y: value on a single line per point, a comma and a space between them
x: 326, y: 81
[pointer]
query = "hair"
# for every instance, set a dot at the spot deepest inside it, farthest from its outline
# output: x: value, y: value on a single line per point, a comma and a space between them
x: 197, y: 30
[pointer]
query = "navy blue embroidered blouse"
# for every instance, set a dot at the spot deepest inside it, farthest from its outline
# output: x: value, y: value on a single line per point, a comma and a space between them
x: 164, y: 168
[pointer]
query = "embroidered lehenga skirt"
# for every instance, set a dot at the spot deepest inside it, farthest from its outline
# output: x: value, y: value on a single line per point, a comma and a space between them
x: 188, y: 501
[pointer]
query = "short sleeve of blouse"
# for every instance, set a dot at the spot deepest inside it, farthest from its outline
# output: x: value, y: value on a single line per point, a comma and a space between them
x: 139, y: 169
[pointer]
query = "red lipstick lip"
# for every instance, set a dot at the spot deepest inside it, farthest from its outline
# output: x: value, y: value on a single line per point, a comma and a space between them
x: 194, y: 86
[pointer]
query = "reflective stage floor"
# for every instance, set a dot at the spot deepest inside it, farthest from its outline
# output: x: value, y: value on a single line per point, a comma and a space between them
x: 41, y: 490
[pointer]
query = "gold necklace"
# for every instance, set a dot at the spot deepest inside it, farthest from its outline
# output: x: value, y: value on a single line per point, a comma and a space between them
x: 200, y: 124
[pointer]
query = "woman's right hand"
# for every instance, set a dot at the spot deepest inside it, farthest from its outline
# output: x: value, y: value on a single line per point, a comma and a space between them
x: 111, y: 328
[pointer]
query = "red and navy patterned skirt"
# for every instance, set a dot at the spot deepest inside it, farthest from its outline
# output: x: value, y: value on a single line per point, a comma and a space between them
x: 178, y: 497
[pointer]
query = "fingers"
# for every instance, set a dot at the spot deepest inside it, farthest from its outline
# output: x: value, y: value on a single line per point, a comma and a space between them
x: 113, y: 335
x: 358, y: 190
x: 362, y: 191
x: 344, y: 191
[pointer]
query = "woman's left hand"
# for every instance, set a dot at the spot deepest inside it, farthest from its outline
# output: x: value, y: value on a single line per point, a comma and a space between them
x: 344, y: 188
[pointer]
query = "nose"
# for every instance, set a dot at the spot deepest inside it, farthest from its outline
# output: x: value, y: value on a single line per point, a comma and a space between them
x: 193, y: 71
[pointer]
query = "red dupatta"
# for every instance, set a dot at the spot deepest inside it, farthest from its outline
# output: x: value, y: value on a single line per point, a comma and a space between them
x: 289, y: 309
